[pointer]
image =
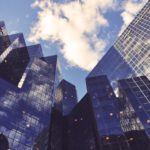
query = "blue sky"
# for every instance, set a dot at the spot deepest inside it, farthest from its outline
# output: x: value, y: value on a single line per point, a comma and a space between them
x: 80, y: 32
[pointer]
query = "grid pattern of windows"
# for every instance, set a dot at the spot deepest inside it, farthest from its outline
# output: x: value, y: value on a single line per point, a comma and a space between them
x: 136, y: 94
x: 26, y: 111
x: 134, y: 43
x: 130, y: 54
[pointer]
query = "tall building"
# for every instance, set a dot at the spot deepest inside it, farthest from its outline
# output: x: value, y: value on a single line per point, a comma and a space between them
x: 81, y: 131
x: 134, y: 96
x: 27, y: 90
x: 106, y: 112
x: 66, y: 93
x: 54, y: 134
x: 130, y: 54
x: 101, y: 121
x: 134, y: 102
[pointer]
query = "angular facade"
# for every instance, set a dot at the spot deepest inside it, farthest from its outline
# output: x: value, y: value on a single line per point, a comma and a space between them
x: 101, y: 121
x: 130, y: 55
x: 39, y: 112
x: 27, y: 90
x: 54, y: 135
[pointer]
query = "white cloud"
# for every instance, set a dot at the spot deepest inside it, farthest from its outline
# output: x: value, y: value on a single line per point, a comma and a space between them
x: 75, y: 25
x: 130, y: 9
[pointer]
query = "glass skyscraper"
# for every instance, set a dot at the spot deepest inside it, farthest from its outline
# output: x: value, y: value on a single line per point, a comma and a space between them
x: 39, y: 110
x: 106, y: 112
x: 134, y: 104
x: 27, y: 91
x: 81, y: 131
x: 134, y: 96
x: 66, y: 94
x: 53, y: 136
x: 130, y: 54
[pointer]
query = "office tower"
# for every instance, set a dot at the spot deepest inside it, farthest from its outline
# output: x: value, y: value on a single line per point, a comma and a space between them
x: 100, y: 121
x: 66, y: 93
x: 130, y: 54
x: 75, y: 131
x: 54, y: 135
x: 65, y: 101
x: 106, y: 112
x: 81, y: 132
x: 26, y: 94
x: 26, y: 111
x: 134, y: 98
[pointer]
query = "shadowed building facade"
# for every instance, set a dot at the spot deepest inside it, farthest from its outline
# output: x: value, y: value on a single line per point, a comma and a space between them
x: 81, y: 131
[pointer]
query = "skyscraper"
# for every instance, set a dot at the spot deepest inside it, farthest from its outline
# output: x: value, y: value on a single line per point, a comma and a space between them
x: 81, y: 131
x: 27, y: 87
x: 130, y: 54
x: 106, y: 112
x: 66, y: 93
x: 134, y: 102
x: 54, y: 135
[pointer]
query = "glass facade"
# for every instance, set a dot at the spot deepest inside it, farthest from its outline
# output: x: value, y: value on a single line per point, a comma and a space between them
x: 27, y: 91
x: 106, y: 113
x: 81, y: 131
x: 26, y: 111
x: 55, y: 134
x: 135, y: 102
x: 35, y: 51
x: 100, y: 121
x: 130, y: 54
x: 66, y: 93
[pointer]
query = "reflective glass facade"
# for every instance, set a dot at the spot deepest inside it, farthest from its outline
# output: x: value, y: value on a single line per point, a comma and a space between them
x: 27, y: 90
x: 135, y: 102
x: 55, y: 134
x: 106, y: 112
x: 81, y: 131
x: 66, y: 93
x: 130, y: 54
